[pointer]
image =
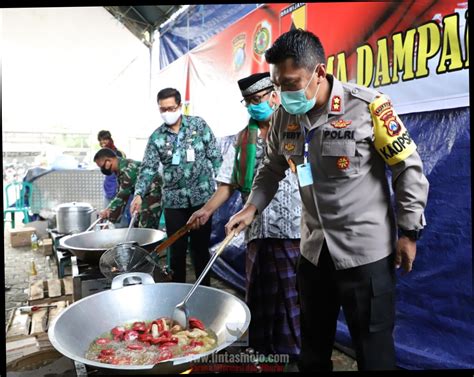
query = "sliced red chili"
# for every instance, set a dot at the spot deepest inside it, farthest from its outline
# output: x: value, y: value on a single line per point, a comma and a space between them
x: 118, y: 332
x: 159, y: 323
x: 166, y: 334
x: 107, y: 352
x: 131, y: 335
x: 139, y: 326
x: 196, y: 323
x: 196, y: 343
x: 102, y: 341
x: 135, y: 347
x: 165, y: 354
x: 167, y: 344
x: 144, y: 337
x: 156, y: 340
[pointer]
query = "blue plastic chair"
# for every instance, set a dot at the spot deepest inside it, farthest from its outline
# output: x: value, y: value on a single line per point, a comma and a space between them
x: 17, y: 198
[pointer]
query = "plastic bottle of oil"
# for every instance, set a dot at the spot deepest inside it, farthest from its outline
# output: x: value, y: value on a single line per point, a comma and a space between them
x: 34, y: 242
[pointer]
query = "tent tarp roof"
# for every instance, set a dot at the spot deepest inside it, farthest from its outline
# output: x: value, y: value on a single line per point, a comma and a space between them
x: 142, y: 20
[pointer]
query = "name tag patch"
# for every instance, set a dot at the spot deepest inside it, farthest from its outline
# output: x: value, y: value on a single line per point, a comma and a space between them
x: 291, y: 135
x: 338, y: 134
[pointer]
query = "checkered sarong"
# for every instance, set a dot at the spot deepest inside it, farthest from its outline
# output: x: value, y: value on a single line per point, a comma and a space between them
x: 272, y: 297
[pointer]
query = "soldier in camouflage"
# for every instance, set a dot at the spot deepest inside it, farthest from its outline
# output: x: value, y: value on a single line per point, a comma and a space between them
x: 127, y: 173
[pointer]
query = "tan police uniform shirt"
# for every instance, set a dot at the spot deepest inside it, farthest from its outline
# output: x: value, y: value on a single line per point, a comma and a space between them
x: 356, y: 135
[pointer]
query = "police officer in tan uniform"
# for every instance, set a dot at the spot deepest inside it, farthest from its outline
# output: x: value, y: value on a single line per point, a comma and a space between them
x: 338, y: 138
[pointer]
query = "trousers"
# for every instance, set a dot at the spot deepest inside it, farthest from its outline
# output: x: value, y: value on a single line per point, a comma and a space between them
x: 176, y: 218
x: 367, y: 296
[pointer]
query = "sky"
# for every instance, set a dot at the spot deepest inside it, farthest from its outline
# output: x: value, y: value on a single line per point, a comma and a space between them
x: 76, y: 69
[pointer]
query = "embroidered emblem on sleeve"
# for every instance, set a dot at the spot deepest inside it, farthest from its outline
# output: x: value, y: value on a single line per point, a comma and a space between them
x: 391, y: 138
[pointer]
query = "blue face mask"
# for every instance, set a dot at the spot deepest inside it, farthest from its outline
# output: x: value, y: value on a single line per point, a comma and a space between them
x: 295, y: 102
x: 260, y: 112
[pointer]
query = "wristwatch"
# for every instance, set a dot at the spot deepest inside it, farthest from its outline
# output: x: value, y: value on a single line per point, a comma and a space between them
x: 414, y: 234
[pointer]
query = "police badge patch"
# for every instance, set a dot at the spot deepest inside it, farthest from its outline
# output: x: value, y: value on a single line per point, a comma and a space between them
x: 390, y: 123
x: 341, y: 123
x: 342, y: 163
x: 293, y: 127
x: 289, y: 147
x: 391, y: 138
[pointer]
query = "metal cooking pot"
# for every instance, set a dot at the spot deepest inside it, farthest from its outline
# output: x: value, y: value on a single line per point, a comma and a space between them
x: 89, y: 246
x: 73, y: 217
x: 74, y: 329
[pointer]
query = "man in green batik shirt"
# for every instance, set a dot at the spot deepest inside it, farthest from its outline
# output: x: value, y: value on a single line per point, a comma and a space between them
x: 127, y: 173
x: 191, y: 158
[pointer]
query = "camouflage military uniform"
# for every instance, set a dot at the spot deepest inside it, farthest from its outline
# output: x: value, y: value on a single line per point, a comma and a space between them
x: 150, y: 213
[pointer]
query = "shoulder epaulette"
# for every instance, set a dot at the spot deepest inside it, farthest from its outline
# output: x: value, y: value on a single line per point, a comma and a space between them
x: 365, y: 94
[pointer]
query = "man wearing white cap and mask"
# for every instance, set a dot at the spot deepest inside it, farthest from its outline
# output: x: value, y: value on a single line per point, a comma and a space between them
x: 190, y: 156
x: 274, y: 236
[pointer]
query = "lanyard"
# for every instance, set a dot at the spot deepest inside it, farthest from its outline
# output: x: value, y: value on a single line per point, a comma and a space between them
x: 307, y: 138
x: 177, y: 141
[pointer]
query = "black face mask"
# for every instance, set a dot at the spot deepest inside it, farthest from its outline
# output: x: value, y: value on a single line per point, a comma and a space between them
x: 106, y: 171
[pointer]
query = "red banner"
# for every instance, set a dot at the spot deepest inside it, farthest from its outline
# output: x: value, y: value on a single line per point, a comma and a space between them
x: 414, y: 51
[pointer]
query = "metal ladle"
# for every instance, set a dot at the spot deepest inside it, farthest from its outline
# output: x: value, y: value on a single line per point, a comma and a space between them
x: 181, y: 312
x: 132, y: 221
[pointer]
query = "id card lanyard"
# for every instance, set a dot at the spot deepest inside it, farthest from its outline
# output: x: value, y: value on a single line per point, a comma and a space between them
x: 176, y: 154
x: 305, y: 177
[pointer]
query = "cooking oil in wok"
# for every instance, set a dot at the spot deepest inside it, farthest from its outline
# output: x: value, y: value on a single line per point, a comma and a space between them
x: 151, y: 342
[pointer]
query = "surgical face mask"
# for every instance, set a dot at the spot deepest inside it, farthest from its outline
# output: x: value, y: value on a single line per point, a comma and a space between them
x: 171, y: 117
x: 295, y: 102
x: 260, y: 112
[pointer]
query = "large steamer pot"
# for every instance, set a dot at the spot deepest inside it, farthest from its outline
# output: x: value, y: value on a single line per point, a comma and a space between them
x: 73, y: 217
x: 74, y: 329
x: 89, y: 246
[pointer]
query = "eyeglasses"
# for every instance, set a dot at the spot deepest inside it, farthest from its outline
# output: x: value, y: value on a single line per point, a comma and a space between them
x: 168, y: 109
x: 255, y: 99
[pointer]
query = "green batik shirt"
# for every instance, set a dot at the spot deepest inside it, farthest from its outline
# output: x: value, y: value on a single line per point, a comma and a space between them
x: 190, y: 182
x: 127, y: 177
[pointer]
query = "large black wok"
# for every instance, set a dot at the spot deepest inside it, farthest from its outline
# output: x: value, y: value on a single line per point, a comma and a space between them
x: 89, y: 246
x: 72, y: 331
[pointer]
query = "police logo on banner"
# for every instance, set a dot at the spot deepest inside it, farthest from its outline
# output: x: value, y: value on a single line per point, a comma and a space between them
x: 293, y: 17
x: 238, y: 51
x: 261, y: 40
